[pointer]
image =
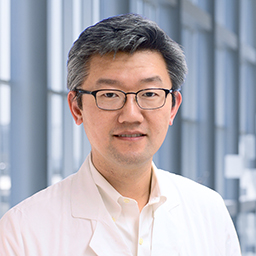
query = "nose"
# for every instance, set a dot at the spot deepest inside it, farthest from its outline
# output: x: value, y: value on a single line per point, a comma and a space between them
x: 131, y: 112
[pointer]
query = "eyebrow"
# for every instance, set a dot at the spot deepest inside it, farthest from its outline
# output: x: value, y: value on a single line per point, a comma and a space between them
x: 151, y: 79
x: 108, y: 81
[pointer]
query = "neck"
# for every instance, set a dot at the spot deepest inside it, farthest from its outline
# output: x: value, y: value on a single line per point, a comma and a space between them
x: 136, y: 188
x: 132, y: 182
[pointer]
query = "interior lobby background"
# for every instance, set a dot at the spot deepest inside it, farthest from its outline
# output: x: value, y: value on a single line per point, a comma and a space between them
x: 213, y: 138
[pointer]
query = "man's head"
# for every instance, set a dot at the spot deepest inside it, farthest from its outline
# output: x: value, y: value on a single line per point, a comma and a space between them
x: 125, y: 33
x: 128, y: 71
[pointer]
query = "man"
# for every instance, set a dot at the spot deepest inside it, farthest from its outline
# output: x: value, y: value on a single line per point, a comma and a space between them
x: 124, y: 76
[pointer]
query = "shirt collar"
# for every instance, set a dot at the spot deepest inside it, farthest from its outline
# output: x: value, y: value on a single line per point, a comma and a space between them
x: 111, y: 196
x: 157, y: 198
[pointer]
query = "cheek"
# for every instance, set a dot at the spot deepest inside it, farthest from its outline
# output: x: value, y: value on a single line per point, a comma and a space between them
x: 164, y: 121
x: 160, y: 125
x: 96, y: 125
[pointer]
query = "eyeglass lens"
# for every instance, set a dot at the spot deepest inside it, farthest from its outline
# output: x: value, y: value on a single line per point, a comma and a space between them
x: 115, y: 99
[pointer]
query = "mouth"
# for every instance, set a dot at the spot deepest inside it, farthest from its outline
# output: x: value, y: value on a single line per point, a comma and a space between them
x: 130, y: 135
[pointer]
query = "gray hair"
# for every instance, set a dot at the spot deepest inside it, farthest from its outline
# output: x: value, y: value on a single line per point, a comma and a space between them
x: 124, y: 33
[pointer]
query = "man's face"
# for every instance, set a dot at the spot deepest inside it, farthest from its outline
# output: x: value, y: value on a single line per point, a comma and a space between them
x: 129, y: 136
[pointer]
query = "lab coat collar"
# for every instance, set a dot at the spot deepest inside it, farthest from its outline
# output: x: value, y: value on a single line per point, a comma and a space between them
x: 166, y: 189
x: 85, y: 199
x: 86, y: 203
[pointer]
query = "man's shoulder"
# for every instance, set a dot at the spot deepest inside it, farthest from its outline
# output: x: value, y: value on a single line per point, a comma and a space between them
x: 179, y: 180
x: 50, y: 197
x: 186, y: 188
x: 193, y: 198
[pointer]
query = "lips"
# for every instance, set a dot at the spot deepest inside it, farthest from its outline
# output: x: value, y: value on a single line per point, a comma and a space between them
x: 129, y: 134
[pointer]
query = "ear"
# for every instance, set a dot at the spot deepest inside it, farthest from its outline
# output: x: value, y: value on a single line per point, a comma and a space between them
x: 175, y: 108
x: 75, y: 110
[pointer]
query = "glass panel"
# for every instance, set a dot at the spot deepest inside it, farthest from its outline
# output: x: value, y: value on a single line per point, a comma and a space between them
x: 95, y: 11
x: 231, y: 13
x: 136, y: 6
x: 194, y: 1
x: 231, y: 102
x: 247, y: 99
x: 243, y: 93
x: 220, y: 88
x: 189, y: 90
x: 56, y: 45
x: 77, y: 142
x: 5, y: 116
x: 149, y: 11
x: 247, y: 234
x: 77, y: 18
x: 5, y: 106
x: 248, y: 22
x: 189, y: 150
x: 4, y: 39
x: 5, y: 182
x: 226, y: 14
x: 55, y: 136
x: 220, y: 11
x: 219, y: 159
x: 203, y: 4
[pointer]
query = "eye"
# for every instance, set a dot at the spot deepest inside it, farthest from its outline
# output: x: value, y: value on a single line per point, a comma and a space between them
x: 110, y: 95
x: 149, y: 94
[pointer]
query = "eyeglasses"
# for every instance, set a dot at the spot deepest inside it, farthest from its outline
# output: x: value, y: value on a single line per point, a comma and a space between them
x: 112, y: 99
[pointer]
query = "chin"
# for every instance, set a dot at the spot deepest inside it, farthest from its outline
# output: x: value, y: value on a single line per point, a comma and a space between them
x: 131, y: 158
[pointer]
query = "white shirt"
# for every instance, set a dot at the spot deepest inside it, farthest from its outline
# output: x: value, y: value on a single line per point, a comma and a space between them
x: 135, y: 227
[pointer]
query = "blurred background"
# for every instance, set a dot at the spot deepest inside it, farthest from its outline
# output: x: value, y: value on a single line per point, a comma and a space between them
x: 213, y: 137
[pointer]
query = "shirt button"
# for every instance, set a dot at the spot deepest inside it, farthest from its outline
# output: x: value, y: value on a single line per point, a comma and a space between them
x: 140, y: 241
x: 126, y: 200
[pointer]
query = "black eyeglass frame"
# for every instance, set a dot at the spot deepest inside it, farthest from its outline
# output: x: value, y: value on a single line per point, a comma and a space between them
x: 167, y: 91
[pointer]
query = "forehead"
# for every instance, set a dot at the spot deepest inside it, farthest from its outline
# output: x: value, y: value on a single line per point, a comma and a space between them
x: 138, y: 56
x: 125, y: 67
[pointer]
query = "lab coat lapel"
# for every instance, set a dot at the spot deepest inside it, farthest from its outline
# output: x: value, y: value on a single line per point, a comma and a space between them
x: 166, y: 218
x: 172, y: 243
x: 86, y: 203
x: 106, y: 240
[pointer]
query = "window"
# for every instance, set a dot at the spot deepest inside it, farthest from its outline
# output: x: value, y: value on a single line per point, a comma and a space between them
x: 5, y: 97
x: 67, y: 143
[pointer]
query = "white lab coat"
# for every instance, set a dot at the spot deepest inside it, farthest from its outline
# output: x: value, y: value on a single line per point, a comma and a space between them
x: 70, y: 219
